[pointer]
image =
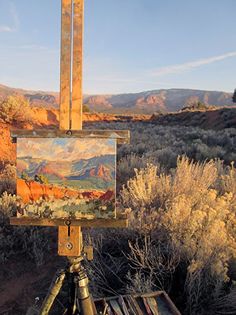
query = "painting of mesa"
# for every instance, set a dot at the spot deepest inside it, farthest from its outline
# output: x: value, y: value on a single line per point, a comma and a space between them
x: 61, y: 178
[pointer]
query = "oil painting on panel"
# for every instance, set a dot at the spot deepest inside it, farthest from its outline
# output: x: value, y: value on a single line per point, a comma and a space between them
x: 66, y: 177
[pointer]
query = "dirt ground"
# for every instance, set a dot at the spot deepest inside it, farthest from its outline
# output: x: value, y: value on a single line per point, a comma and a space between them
x: 22, y: 281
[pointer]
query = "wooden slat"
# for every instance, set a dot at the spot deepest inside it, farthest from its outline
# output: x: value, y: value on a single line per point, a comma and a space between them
x: 172, y: 308
x: 165, y: 296
x: 65, y: 85
x: 96, y: 223
x: 77, y: 93
x: 122, y: 136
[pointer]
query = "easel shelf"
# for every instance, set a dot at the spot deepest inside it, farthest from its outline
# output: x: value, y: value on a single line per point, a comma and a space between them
x: 122, y: 136
x: 85, y: 223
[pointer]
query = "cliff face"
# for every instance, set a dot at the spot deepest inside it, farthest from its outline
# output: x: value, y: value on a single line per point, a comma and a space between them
x: 32, y: 191
x: 43, y: 117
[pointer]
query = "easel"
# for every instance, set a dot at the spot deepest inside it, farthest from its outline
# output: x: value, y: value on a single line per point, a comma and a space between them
x: 70, y: 239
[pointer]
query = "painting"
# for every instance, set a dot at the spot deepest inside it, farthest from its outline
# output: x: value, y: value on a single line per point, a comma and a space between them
x: 61, y: 178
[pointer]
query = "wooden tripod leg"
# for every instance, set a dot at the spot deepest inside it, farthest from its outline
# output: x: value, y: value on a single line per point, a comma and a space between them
x: 53, y: 292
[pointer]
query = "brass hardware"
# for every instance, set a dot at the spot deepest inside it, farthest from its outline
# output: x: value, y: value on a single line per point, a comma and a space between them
x: 88, y: 250
x: 69, y: 246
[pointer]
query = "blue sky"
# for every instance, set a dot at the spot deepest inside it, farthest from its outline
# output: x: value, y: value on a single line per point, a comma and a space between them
x: 129, y: 45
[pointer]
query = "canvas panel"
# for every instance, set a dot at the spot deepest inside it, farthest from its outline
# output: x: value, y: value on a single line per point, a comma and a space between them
x: 61, y: 178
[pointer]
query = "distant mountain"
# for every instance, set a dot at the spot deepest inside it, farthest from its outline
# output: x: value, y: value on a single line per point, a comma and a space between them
x: 36, y: 98
x: 170, y: 100
x: 101, y: 167
x: 147, y: 102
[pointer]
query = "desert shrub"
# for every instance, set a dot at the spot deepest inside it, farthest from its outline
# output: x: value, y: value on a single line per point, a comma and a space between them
x: 8, y: 179
x: 37, y: 245
x: 86, y: 109
x: 110, y: 265
x: 34, y: 242
x: 226, y: 304
x: 153, y: 264
x: 194, y: 218
x: 164, y: 143
x: 15, y: 110
x: 228, y: 180
x: 8, y: 205
x: 197, y: 105
x: 127, y: 165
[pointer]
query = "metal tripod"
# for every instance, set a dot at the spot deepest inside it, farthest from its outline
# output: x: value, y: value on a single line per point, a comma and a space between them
x: 79, y: 299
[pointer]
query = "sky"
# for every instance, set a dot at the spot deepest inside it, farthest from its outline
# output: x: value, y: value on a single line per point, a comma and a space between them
x: 65, y: 149
x: 129, y: 45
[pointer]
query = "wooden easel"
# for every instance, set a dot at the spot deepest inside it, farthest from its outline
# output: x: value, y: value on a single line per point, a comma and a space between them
x: 71, y: 99
x: 70, y: 240
x: 71, y: 108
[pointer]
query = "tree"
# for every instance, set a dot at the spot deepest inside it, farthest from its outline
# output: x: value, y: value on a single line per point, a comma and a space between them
x: 234, y: 97
x: 86, y: 109
x: 15, y: 110
x: 25, y: 177
x: 198, y: 105
x: 40, y: 178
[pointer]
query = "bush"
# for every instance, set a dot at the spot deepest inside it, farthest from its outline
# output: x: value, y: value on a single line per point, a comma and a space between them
x: 32, y: 242
x: 193, y: 218
x: 197, y: 105
x: 8, y: 179
x: 86, y: 109
x: 162, y: 144
x: 42, y: 179
x: 15, y: 110
x: 8, y: 205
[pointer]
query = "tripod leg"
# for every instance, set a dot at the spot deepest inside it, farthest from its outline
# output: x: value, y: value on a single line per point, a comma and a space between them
x: 71, y: 294
x: 53, y: 292
x: 84, y: 298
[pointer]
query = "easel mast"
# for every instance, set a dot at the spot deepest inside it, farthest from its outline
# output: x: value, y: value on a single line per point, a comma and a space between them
x: 71, y: 94
x: 71, y: 99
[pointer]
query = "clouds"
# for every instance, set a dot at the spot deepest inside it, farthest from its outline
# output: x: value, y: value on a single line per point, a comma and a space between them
x: 14, y: 23
x: 5, y: 28
x: 65, y: 149
x: 179, y: 68
x: 147, y: 79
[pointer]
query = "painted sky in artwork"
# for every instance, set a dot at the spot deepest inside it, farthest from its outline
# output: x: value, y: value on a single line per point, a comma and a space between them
x: 61, y: 149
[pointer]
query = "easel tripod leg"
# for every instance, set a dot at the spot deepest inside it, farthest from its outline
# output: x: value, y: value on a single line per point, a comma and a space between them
x: 53, y: 292
x: 84, y: 298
